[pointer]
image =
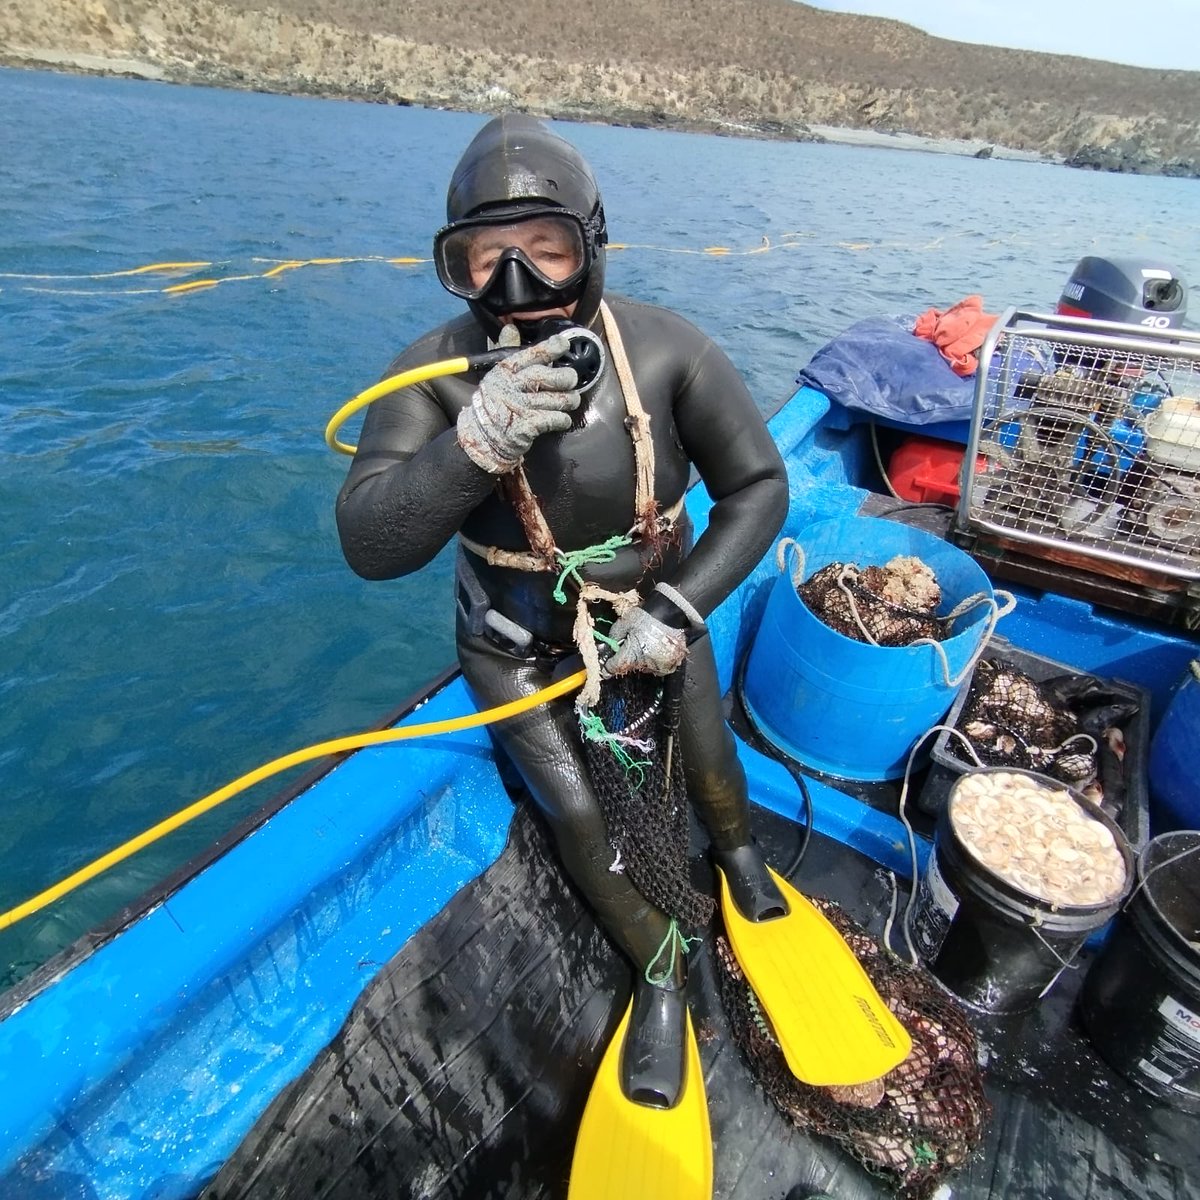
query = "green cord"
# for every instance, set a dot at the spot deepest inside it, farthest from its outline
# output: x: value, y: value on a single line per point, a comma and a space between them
x: 610, y: 642
x: 593, y: 729
x: 572, y: 560
x: 757, y: 1016
x: 677, y: 942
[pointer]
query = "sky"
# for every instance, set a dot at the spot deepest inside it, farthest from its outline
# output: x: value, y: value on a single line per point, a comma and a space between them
x: 1143, y: 33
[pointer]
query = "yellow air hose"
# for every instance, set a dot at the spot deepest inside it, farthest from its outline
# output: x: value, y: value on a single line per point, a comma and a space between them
x: 448, y: 366
x: 585, y: 354
x: 336, y: 746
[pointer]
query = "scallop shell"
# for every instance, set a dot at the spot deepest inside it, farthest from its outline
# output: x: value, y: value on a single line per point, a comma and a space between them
x: 1038, y: 838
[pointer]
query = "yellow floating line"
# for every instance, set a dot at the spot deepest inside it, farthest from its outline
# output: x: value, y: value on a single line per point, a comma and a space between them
x: 323, y: 262
x: 194, y: 286
x: 59, y: 291
x: 711, y: 251
x: 789, y: 240
x: 167, y: 266
x: 146, y: 270
x: 292, y: 263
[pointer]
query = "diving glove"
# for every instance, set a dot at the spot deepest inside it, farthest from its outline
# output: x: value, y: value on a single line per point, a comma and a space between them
x: 645, y: 644
x: 517, y: 401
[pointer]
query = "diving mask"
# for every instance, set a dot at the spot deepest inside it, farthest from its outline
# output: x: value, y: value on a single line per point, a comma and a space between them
x: 518, y: 261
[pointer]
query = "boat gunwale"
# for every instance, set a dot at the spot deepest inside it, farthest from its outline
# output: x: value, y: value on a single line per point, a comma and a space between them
x: 79, y: 951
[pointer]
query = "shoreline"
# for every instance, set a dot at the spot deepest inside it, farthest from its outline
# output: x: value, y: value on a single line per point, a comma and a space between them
x: 69, y: 62
x: 967, y: 147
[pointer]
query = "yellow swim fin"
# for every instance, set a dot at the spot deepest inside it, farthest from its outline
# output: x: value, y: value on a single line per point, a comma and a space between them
x: 627, y: 1151
x: 826, y: 1014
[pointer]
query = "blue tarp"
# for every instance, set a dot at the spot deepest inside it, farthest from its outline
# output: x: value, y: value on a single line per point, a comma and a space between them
x: 879, y: 367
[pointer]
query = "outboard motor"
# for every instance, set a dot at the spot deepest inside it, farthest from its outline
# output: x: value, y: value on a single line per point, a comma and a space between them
x: 1130, y: 290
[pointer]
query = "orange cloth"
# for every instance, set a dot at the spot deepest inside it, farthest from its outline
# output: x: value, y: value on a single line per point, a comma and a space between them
x: 957, y: 333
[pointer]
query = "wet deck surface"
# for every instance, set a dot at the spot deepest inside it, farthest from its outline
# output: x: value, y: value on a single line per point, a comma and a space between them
x: 463, y: 1072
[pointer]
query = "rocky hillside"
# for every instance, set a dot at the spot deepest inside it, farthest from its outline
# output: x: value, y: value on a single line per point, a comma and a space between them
x: 765, y: 67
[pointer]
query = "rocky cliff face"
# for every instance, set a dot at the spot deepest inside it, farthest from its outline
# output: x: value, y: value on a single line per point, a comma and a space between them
x: 762, y: 67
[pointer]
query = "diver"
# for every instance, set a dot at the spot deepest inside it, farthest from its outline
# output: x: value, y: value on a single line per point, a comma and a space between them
x: 527, y: 472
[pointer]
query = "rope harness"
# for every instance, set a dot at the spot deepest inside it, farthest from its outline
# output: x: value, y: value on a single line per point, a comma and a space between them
x: 544, y: 555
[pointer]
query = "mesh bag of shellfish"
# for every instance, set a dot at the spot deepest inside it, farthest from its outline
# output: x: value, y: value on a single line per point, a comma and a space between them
x: 892, y: 605
x: 646, y: 813
x: 917, y: 1123
x: 1025, y: 711
x: 1012, y: 721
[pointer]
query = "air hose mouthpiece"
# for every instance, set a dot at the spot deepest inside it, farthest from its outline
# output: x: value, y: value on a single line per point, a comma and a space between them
x: 585, y: 353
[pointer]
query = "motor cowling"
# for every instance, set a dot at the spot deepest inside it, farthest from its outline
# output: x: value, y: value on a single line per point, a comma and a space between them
x: 1133, y: 291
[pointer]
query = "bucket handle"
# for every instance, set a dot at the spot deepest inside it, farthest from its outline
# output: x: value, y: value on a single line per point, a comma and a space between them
x: 999, y: 610
x: 1166, y: 862
x: 781, y: 552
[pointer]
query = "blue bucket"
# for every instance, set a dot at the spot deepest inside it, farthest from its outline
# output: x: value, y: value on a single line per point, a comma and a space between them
x: 848, y: 708
x: 1175, y: 759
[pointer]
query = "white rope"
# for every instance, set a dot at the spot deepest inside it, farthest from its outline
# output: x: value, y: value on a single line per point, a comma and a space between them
x: 901, y: 812
x: 887, y: 483
x: 585, y: 640
x: 1159, y: 866
x: 998, y: 611
x: 786, y: 544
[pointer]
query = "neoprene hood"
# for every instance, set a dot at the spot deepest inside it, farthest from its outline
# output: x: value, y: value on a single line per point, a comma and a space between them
x: 516, y: 165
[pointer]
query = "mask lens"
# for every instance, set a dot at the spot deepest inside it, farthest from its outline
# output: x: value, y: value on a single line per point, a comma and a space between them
x: 551, y: 245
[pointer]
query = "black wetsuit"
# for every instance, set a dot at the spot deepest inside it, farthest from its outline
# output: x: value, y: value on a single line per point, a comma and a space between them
x: 411, y: 488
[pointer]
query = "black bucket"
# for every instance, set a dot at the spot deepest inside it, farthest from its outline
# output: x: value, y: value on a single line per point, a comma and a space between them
x: 996, y: 947
x: 1141, y: 999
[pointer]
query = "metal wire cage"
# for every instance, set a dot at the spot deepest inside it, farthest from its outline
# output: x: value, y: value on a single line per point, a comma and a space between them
x: 1085, y: 445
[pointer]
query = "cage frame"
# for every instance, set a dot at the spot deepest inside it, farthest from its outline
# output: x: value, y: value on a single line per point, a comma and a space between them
x: 1083, y: 333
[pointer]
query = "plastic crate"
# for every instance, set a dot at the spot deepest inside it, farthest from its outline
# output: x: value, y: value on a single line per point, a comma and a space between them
x: 949, y: 759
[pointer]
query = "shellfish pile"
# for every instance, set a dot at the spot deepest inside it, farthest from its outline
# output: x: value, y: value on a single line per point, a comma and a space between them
x: 892, y: 605
x: 1011, y: 721
x: 1037, y: 838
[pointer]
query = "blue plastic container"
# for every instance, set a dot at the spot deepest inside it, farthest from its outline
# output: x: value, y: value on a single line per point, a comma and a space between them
x: 1174, y: 768
x: 847, y: 708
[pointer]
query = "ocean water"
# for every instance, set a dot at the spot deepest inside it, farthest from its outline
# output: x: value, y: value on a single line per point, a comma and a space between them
x: 174, y: 607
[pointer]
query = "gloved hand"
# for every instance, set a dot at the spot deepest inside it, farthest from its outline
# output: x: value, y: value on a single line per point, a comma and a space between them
x: 519, y: 399
x: 646, y: 644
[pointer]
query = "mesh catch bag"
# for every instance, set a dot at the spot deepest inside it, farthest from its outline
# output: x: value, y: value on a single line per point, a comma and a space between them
x: 919, y: 1122
x: 1010, y: 721
x: 627, y: 741
x: 893, y: 605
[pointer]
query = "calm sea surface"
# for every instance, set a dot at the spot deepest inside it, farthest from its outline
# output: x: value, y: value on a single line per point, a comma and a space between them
x: 174, y: 608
